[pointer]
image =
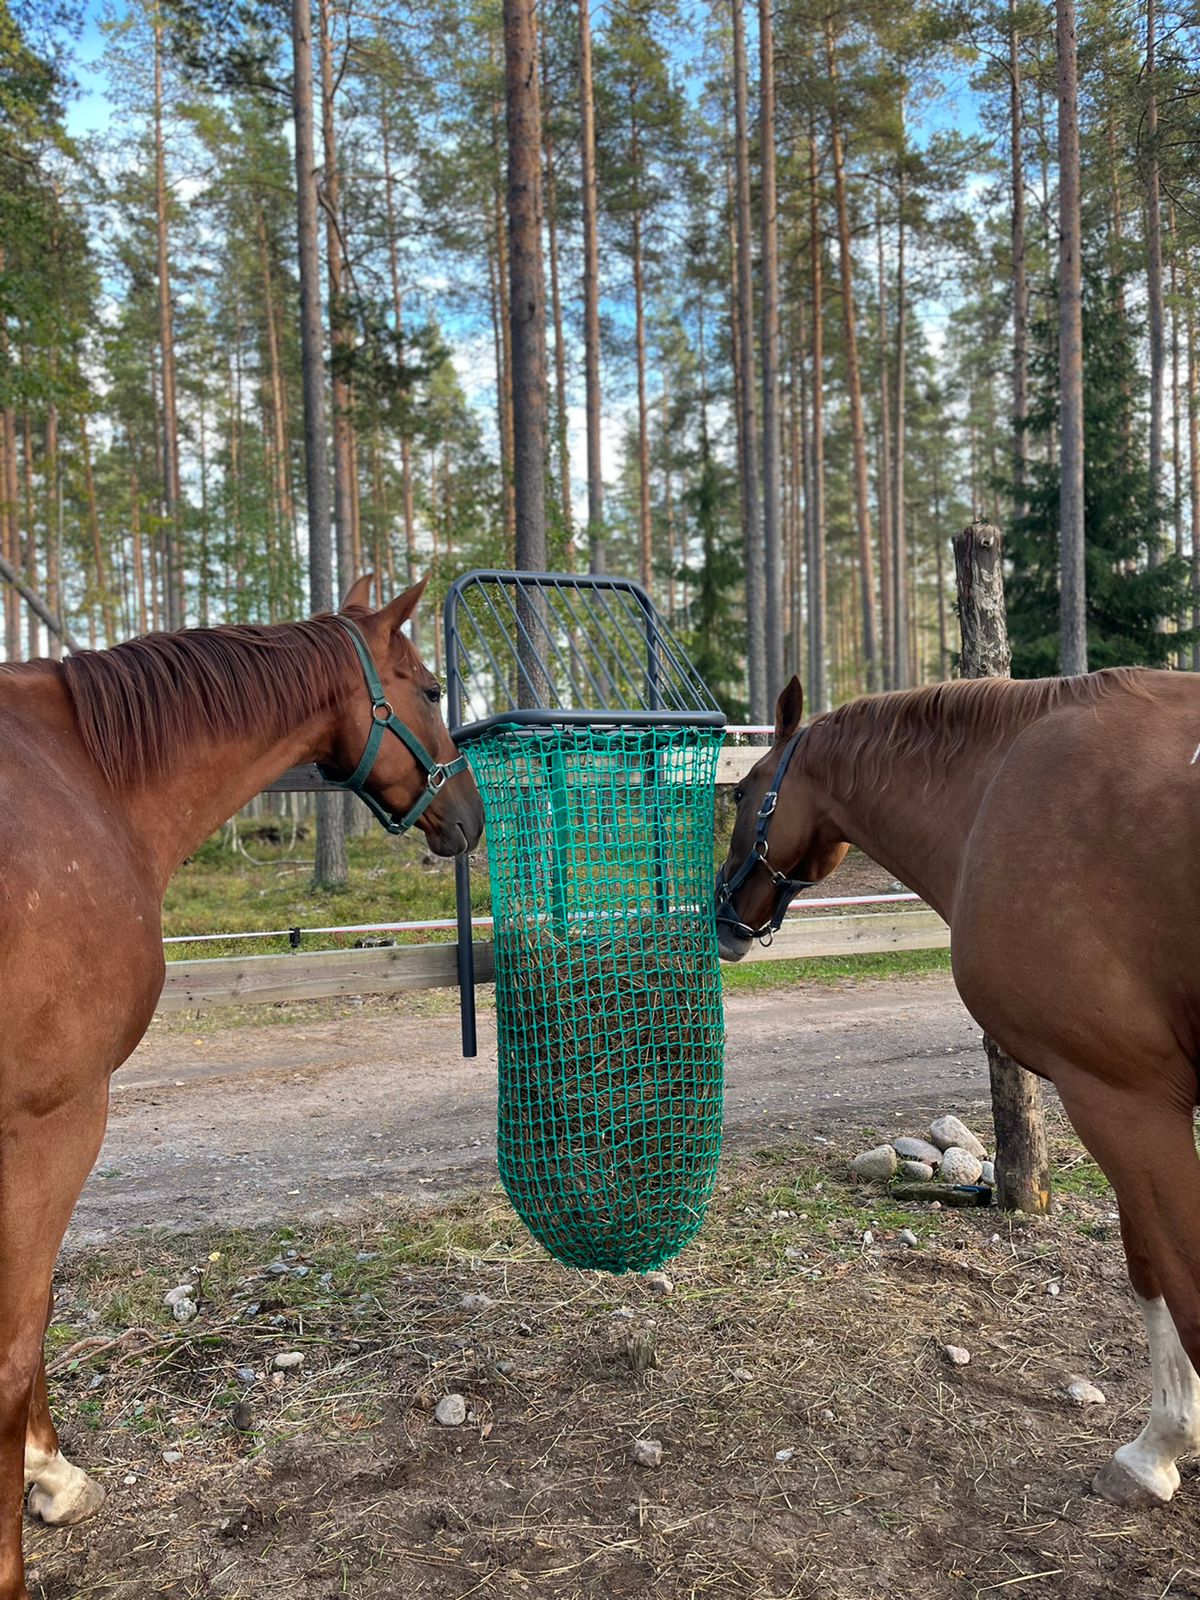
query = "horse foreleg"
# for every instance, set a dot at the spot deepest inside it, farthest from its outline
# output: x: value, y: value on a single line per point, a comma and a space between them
x: 1146, y: 1146
x: 60, y: 1492
x: 43, y: 1162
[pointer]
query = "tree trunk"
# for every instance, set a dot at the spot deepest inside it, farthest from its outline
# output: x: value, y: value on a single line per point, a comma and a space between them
x: 54, y: 515
x: 591, y: 292
x: 562, y: 444
x: 330, y: 868
x: 1072, y: 655
x: 887, y: 587
x: 645, y: 529
x: 1022, y: 1162
x: 528, y: 288
x: 818, y: 680
x: 406, y: 483
x: 756, y: 633
x: 166, y: 336
x: 340, y: 337
x: 901, y: 675
x: 1154, y: 279
x: 870, y: 643
x: 772, y: 436
x: 1020, y: 285
x: 1193, y: 383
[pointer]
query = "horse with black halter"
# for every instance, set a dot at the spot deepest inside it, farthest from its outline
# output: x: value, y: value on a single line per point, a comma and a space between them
x: 114, y: 766
x: 1055, y: 825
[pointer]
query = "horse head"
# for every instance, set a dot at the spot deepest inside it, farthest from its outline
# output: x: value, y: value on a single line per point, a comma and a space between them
x: 782, y: 839
x: 391, y: 745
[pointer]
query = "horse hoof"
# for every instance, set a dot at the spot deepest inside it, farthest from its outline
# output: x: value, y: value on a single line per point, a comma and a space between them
x: 72, y: 1504
x: 1121, y: 1485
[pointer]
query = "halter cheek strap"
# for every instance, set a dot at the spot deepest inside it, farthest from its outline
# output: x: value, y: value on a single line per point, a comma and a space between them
x: 384, y: 720
x: 786, y: 888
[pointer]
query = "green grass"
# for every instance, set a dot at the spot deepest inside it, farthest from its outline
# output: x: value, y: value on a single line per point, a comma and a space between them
x: 222, y: 891
x: 833, y: 969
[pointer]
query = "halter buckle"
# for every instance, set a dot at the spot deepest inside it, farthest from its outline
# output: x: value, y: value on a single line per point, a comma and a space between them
x: 384, y: 707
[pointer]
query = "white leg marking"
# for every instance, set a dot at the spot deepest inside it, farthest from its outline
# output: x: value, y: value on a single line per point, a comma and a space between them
x: 1145, y: 1469
x: 61, y: 1492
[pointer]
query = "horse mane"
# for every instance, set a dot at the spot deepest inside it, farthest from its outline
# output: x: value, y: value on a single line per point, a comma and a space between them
x: 942, y: 720
x: 139, y: 704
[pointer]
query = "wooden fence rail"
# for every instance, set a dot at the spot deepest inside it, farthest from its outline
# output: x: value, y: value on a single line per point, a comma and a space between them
x: 250, y: 980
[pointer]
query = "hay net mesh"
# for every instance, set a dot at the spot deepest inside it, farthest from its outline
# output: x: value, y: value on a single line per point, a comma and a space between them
x: 608, y: 990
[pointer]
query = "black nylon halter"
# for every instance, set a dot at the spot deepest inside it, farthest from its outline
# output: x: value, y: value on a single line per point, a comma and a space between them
x: 785, y: 888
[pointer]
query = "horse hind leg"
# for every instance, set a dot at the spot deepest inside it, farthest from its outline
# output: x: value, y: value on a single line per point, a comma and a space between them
x: 1145, y: 1144
x: 59, y: 1492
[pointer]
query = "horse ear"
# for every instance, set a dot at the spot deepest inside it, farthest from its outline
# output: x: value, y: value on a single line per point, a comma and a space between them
x: 789, y: 711
x: 397, y: 612
x: 358, y: 595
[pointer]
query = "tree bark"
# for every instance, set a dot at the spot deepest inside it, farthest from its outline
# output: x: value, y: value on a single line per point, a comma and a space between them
x: 772, y: 437
x: 888, y: 595
x: 173, y: 575
x: 818, y: 679
x: 1072, y: 653
x: 99, y: 564
x: 528, y: 287
x: 1020, y: 285
x: 1193, y: 383
x: 1022, y: 1162
x: 901, y: 675
x: 591, y: 292
x: 340, y: 337
x: 862, y: 504
x: 756, y: 635
x: 330, y: 866
x: 1154, y: 277
x: 562, y: 444
x: 645, y: 527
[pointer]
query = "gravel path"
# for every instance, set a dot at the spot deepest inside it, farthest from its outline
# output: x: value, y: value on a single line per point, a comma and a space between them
x: 263, y: 1124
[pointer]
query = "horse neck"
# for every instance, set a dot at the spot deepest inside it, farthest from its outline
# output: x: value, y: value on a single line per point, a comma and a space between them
x: 908, y: 804
x: 174, y: 811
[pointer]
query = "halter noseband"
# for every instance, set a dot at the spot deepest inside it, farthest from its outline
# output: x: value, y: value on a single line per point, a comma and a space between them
x: 785, y: 888
x: 384, y: 718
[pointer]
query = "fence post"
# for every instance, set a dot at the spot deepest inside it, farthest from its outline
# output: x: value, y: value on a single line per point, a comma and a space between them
x: 1022, y: 1163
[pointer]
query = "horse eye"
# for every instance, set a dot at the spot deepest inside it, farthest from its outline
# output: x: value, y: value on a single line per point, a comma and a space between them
x: 434, y: 694
x: 738, y: 796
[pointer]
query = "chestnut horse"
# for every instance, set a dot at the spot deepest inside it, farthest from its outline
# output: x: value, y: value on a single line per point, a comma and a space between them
x: 1055, y: 825
x: 114, y: 765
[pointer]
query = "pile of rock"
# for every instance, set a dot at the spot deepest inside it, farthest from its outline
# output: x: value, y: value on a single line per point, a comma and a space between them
x: 952, y: 1154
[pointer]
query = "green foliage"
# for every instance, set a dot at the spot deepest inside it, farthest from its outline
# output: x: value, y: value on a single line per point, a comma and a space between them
x: 1133, y: 583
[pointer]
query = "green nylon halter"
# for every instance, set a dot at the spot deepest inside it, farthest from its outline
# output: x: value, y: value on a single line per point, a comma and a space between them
x: 383, y: 717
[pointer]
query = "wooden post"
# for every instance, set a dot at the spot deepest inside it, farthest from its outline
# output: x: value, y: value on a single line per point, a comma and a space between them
x: 1022, y: 1164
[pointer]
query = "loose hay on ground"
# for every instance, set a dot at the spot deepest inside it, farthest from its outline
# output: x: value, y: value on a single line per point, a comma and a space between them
x: 901, y: 1470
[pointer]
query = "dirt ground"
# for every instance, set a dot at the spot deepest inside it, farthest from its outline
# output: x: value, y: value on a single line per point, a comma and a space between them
x: 256, y: 1125
x: 817, y: 1444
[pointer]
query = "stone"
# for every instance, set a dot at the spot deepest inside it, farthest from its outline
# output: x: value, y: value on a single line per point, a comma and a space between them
x: 183, y: 1291
x: 184, y: 1310
x: 172, y: 1457
x: 988, y: 1174
x: 242, y: 1416
x: 784, y: 1455
x: 907, y: 1238
x: 474, y: 1303
x: 659, y: 1283
x: 947, y: 1132
x: 278, y: 1269
x: 646, y: 1452
x: 742, y: 1375
x: 288, y: 1360
x: 875, y: 1166
x: 960, y: 1166
x: 247, y: 1374
x: 868, y: 1237
x: 1084, y: 1393
x: 956, y: 1355
x: 450, y: 1411
x: 917, y: 1150
x: 918, y: 1171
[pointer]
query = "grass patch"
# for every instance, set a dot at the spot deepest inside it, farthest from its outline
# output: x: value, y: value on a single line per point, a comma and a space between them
x: 834, y: 969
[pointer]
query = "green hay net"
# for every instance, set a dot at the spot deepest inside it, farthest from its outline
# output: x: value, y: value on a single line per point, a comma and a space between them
x: 608, y: 992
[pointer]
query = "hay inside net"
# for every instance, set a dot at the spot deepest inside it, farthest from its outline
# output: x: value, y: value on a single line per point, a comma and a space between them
x: 611, y: 1036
